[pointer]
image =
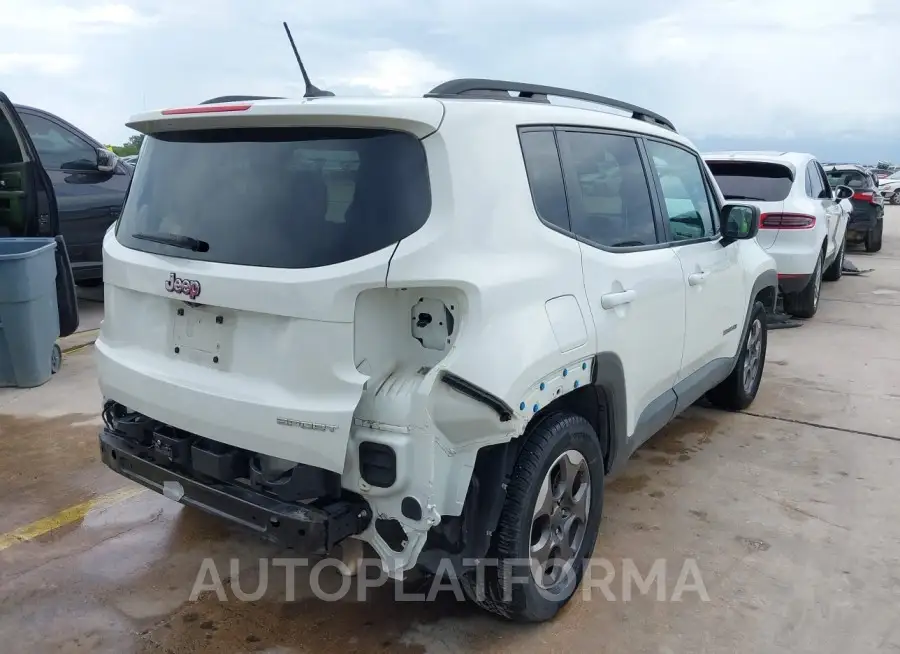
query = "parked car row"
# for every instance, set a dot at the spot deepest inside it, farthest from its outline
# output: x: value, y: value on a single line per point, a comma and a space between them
x: 806, y: 219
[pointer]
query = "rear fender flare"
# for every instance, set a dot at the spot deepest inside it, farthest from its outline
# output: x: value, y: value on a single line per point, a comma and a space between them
x: 609, y: 380
x: 766, y: 279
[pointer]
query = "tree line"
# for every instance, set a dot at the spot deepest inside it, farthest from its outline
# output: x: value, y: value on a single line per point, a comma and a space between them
x: 130, y: 147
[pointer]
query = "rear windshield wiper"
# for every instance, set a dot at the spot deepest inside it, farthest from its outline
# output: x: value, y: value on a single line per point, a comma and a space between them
x: 175, y: 240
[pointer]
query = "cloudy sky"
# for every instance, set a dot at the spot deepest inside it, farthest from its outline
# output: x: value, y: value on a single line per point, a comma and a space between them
x: 818, y: 75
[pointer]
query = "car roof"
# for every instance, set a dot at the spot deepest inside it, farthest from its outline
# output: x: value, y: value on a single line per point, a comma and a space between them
x: 796, y: 160
x: 856, y: 167
x: 519, y: 113
x: 477, y: 97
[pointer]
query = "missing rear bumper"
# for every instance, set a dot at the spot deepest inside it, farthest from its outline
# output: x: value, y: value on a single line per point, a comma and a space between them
x: 310, y: 527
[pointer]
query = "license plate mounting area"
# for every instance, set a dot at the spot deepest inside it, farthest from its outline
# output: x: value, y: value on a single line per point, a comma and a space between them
x: 201, y: 334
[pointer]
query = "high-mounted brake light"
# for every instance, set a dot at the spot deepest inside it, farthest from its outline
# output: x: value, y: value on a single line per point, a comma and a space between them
x: 206, y: 109
x: 786, y: 221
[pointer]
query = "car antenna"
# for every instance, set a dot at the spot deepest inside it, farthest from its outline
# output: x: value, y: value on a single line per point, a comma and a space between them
x: 312, y: 91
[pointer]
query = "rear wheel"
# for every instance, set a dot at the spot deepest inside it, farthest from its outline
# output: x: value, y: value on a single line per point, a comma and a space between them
x: 549, y: 523
x: 805, y: 303
x: 836, y: 269
x: 739, y: 389
x: 895, y: 198
x: 873, y: 238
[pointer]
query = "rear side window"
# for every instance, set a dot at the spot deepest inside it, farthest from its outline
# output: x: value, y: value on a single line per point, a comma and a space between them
x: 609, y: 196
x: 752, y: 181
x: 852, y: 178
x: 545, y: 177
x: 276, y: 197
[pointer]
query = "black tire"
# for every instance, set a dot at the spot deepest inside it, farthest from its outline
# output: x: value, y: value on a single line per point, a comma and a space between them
x: 873, y: 238
x: 509, y: 589
x: 836, y: 269
x: 733, y: 394
x: 805, y: 303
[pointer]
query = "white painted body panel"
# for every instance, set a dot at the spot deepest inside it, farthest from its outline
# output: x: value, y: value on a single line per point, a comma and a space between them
x: 647, y: 333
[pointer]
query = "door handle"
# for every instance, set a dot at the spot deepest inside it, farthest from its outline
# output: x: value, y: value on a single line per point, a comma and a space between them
x: 697, y: 278
x: 613, y: 300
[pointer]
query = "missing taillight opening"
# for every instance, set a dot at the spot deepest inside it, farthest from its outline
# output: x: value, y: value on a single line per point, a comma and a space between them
x: 786, y: 221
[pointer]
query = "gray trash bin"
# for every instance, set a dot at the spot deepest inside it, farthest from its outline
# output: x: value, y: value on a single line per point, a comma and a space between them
x: 29, y: 315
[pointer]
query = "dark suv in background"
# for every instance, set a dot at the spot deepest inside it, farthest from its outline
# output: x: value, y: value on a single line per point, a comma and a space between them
x: 867, y: 218
x: 89, y: 199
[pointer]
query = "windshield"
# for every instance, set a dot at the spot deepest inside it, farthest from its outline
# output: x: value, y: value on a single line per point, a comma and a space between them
x: 752, y: 180
x: 894, y: 175
x: 276, y: 197
x: 850, y: 177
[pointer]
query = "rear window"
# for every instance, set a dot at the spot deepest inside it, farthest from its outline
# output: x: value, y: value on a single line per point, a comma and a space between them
x: 276, y: 198
x: 851, y: 178
x: 753, y: 181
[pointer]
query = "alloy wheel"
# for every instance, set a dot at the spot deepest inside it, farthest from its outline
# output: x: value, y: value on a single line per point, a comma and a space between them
x: 560, y: 518
x: 752, y: 356
x: 817, y: 281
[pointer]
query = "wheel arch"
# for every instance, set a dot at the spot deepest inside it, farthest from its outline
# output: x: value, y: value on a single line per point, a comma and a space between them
x: 602, y: 403
x: 765, y: 290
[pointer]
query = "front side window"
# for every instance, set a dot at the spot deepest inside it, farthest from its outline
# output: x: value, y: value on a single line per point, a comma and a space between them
x: 609, y: 196
x: 296, y: 197
x: 826, y: 186
x: 684, y: 191
x: 815, y: 186
x: 57, y: 147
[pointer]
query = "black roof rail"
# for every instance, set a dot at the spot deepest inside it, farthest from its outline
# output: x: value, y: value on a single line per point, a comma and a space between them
x: 238, y: 98
x: 500, y: 90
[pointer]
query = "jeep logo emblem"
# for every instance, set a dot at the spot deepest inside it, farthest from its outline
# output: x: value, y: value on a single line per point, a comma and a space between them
x: 189, y: 287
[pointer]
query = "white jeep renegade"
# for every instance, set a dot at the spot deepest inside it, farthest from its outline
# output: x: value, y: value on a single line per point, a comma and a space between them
x: 435, y: 325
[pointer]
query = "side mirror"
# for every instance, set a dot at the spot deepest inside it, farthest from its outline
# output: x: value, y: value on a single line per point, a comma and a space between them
x: 843, y: 193
x: 106, y: 160
x: 740, y: 222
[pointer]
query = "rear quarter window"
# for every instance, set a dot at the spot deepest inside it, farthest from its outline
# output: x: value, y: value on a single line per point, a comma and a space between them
x: 752, y: 181
x: 276, y: 197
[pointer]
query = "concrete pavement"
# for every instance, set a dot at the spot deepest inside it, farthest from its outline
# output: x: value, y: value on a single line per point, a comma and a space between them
x: 788, y: 512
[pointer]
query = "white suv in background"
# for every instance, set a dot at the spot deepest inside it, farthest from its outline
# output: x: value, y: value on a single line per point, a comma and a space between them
x: 889, y: 187
x: 434, y: 325
x: 802, y: 222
